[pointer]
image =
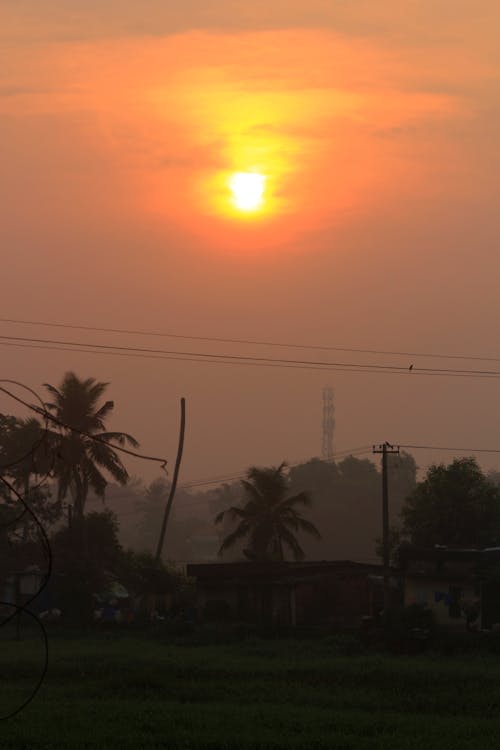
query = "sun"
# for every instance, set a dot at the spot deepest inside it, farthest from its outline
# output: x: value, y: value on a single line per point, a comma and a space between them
x: 247, y: 190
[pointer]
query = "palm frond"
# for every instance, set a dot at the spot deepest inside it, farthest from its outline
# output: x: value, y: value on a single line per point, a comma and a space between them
x: 220, y: 517
x: 290, y: 540
x: 303, y: 498
x: 269, y: 483
x: 251, y: 490
x: 234, y: 512
x: 95, y: 478
x: 304, y: 525
x: 95, y: 390
x: 121, y: 438
x: 102, y: 453
x: 239, y: 532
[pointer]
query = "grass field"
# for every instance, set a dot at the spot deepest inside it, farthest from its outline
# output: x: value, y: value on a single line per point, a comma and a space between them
x: 106, y: 692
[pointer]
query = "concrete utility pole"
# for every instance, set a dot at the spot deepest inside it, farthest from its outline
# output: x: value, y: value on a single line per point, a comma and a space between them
x: 385, y: 449
x: 328, y: 424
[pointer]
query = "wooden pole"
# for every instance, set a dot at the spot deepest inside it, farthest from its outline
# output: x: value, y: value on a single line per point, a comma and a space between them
x: 174, y: 482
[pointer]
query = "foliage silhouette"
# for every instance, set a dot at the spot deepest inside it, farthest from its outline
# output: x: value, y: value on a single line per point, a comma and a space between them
x: 269, y: 518
x: 81, y: 461
x: 455, y: 505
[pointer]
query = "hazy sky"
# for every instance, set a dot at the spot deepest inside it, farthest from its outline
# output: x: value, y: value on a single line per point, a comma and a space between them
x: 377, y: 128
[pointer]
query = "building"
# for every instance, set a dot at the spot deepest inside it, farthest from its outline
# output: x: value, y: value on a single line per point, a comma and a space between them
x: 460, y: 586
x: 288, y: 594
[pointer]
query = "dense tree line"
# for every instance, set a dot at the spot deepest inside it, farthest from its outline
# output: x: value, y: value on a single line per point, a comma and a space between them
x: 315, y: 510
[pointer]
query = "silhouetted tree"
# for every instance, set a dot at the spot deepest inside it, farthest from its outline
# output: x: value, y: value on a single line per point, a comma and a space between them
x: 455, y: 505
x: 269, y: 517
x: 151, y: 508
x: 346, y: 492
x: 82, y: 460
x: 103, y: 545
x: 26, y: 461
x: 75, y: 581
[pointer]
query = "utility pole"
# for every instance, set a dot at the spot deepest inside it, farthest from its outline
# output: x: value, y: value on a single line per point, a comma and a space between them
x: 385, y: 449
x: 328, y: 424
x: 174, y: 482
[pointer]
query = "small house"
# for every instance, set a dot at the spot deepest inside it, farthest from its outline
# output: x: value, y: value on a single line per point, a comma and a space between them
x: 288, y: 594
x: 460, y: 586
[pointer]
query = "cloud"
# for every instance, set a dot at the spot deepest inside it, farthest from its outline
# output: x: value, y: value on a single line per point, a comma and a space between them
x: 94, y: 19
x: 12, y: 91
x: 339, y: 122
x: 395, y: 21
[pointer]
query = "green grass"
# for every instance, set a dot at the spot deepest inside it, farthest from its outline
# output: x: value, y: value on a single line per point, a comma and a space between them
x: 138, y: 693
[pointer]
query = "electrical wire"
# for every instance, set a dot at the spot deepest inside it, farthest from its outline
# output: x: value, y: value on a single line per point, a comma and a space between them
x: 23, y: 610
x: 241, y: 475
x: 44, y: 433
x: 19, y: 609
x: 222, y: 479
x: 31, y: 454
x: 250, y: 342
x: 448, y: 448
x: 246, y: 360
x: 41, y: 411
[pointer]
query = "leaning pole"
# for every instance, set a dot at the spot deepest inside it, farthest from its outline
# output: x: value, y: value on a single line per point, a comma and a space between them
x: 174, y: 482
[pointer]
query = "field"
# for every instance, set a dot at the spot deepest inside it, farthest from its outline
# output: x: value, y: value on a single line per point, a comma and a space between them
x: 108, y: 692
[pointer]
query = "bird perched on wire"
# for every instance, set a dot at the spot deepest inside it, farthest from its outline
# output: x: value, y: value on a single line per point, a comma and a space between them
x: 410, y: 368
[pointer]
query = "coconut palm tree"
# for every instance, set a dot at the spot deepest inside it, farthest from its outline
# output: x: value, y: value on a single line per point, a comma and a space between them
x: 269, y: 518
x: 82, y: 462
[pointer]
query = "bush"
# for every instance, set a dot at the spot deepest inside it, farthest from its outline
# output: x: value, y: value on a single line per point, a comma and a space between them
x: 409, y: 629
x: 345, y: 644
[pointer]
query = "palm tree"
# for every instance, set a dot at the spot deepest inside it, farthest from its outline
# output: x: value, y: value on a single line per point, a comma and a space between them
x: 269, y: 518
x: 82, y: 442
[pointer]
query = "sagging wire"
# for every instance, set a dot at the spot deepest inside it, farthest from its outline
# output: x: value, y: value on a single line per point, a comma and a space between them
x: 19, y: 609
x: 46, y: 547
x: 42, y: 411
x: 34, y: 448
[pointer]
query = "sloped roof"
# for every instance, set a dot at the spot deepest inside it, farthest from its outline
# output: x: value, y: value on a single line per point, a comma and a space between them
x: 277, y: 570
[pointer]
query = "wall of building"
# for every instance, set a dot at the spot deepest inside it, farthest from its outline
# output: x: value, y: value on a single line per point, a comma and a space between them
x: 445, y: 599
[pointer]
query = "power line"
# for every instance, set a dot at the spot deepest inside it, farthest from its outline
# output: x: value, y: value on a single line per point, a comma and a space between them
x: 47, y: 550
x: 242, y: 475
x: 222, y: 479
x: 184, y: 358
x: 50, y: 418
x: 248, y: 360
x: 251, y: 342
x: 448, y: 448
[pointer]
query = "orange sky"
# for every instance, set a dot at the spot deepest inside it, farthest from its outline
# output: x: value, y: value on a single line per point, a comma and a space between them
x: 376, y: 126
x: 168, y: 118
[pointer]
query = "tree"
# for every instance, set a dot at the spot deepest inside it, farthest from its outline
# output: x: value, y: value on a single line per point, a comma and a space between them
x: 84, y: 453
x: 23, y: 449
x: 75, y: 584
x: 269, y: 517
x: 103, y: 546
x: 455, y: 505
x: 180, y: 530
x: 346, y: 492
x: 151, y: 509
x: 26, y: 462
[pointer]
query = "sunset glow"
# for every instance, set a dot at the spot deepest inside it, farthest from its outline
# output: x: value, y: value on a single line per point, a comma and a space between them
x: 248, y: 190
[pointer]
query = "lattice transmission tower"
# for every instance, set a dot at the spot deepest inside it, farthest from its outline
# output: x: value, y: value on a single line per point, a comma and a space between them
x: 328, y: 424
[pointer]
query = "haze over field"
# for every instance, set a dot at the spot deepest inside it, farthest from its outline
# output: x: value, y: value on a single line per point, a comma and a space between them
x: 373, y: 128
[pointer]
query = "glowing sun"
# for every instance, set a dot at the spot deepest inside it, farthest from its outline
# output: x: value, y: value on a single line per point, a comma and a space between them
x: 247, y: 190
